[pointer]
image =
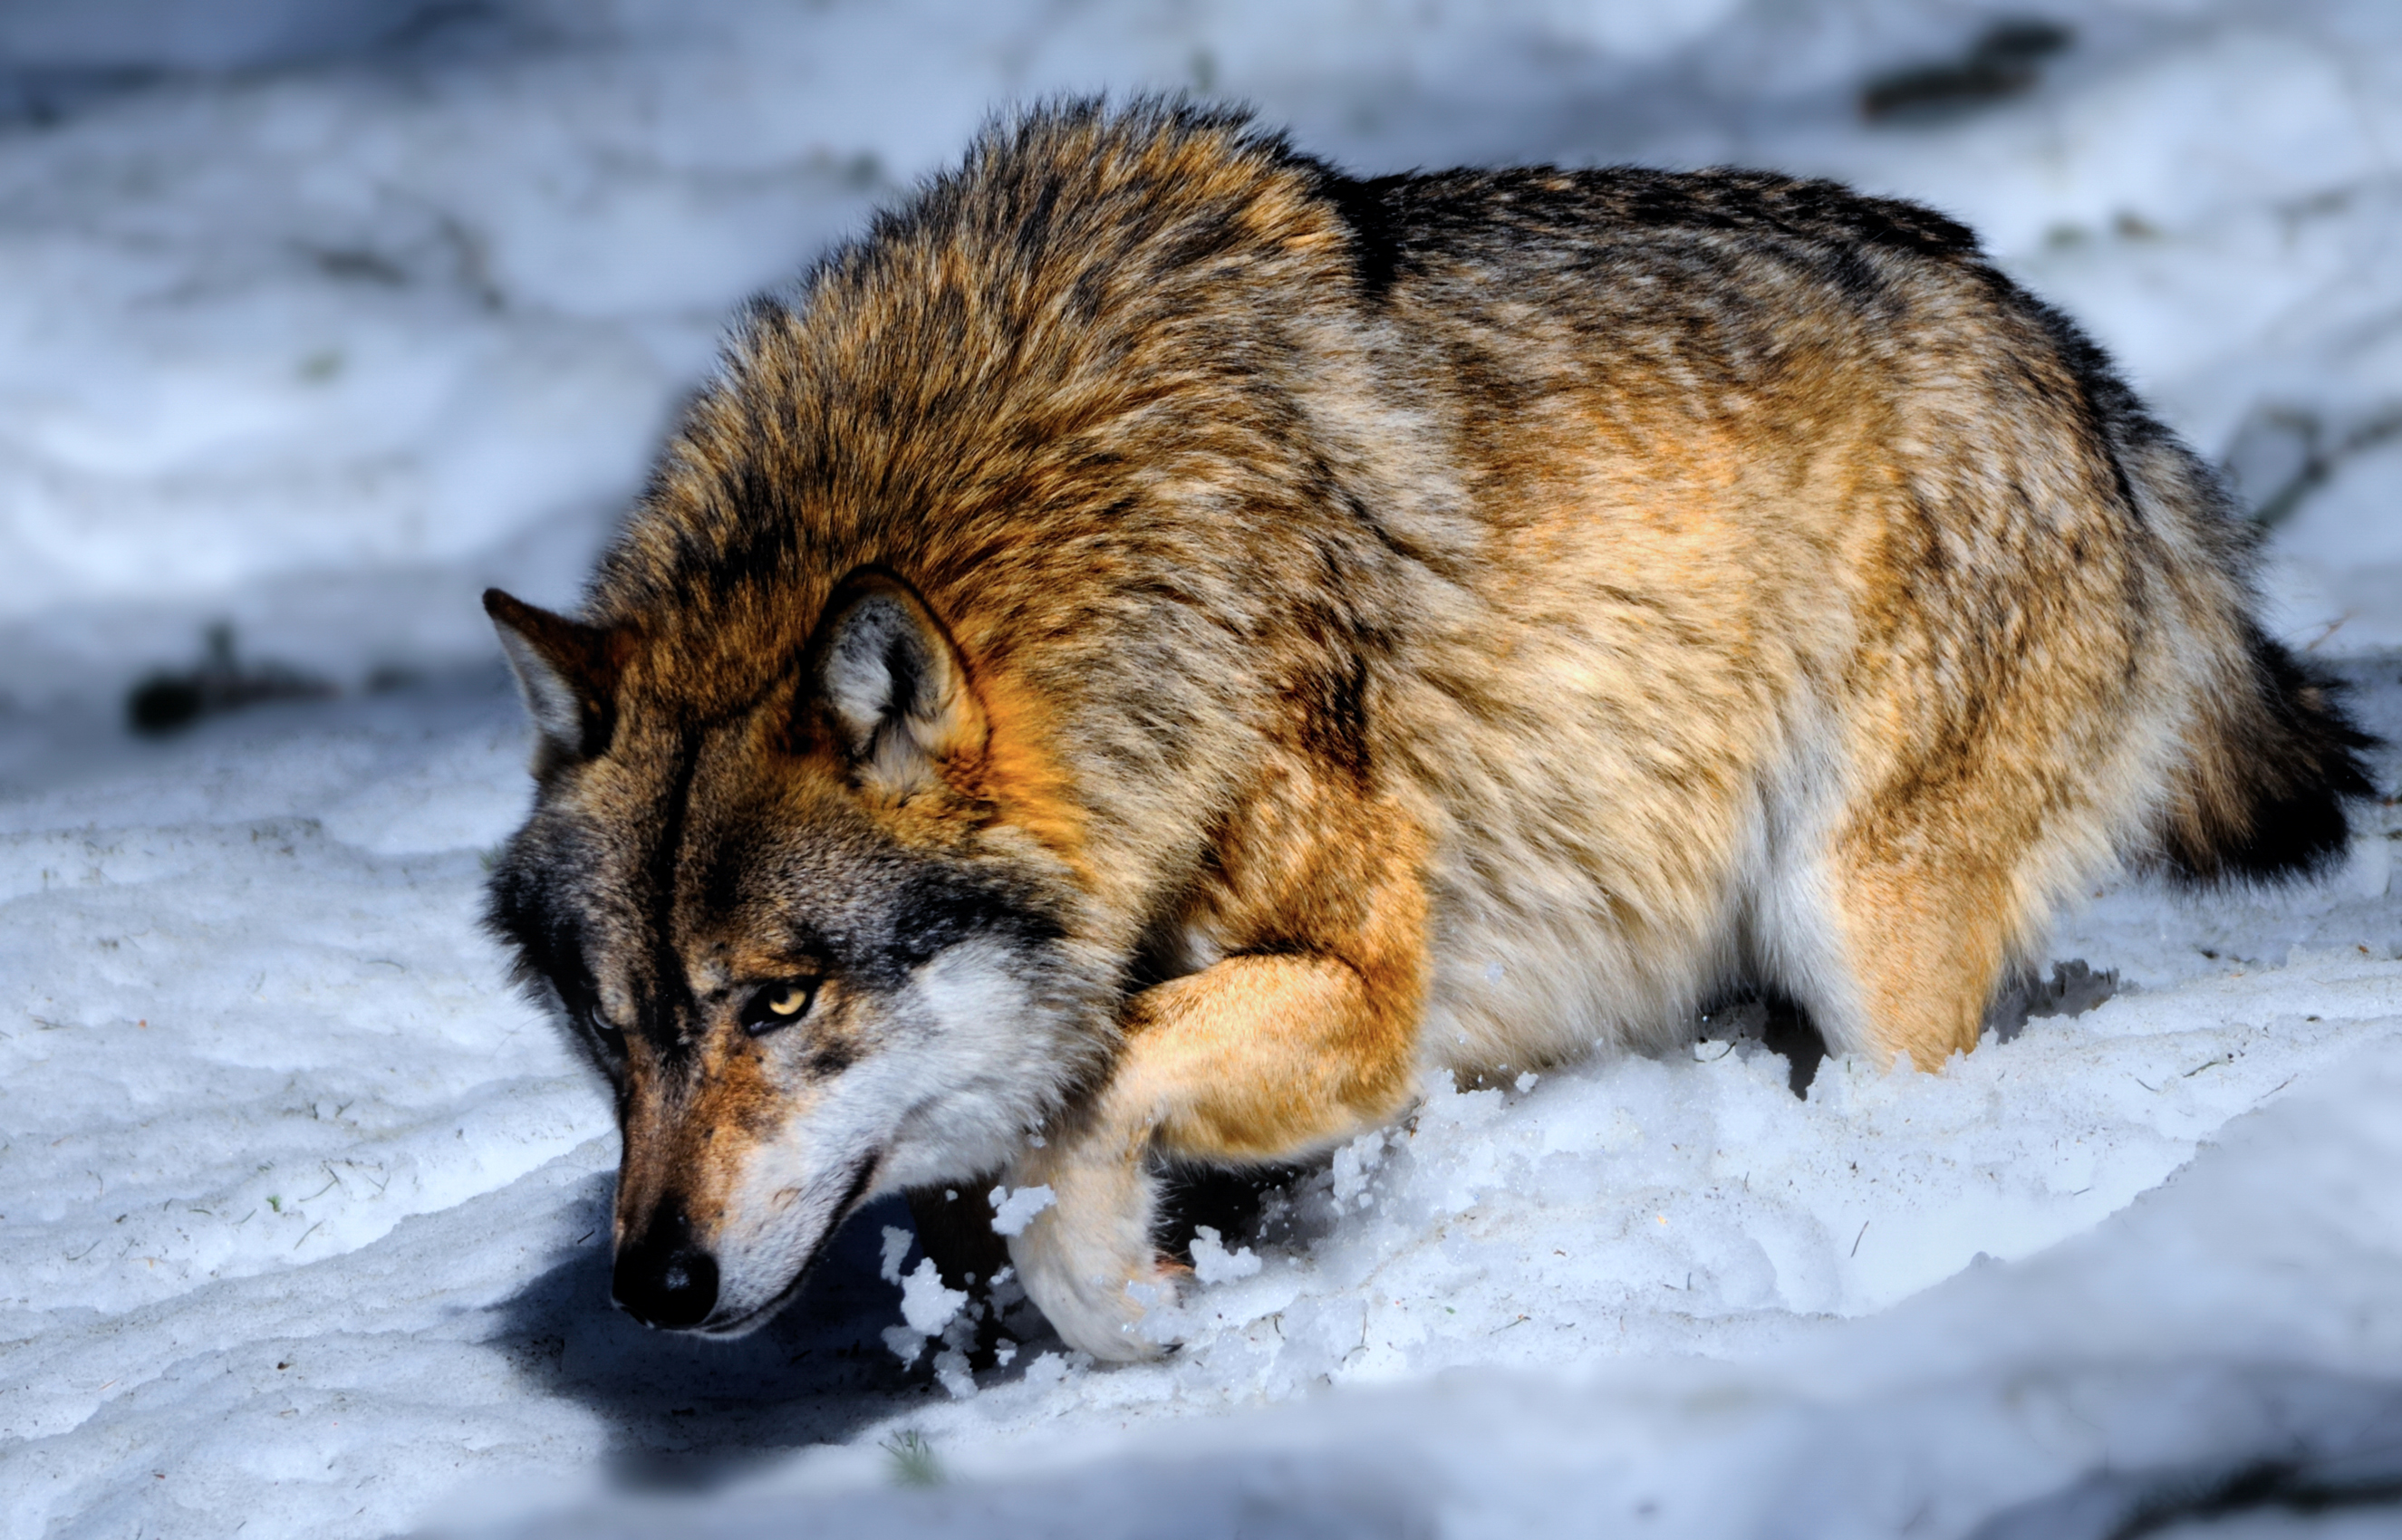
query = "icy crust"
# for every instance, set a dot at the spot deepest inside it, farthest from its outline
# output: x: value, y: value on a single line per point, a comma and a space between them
x: 1649, y: 1206
x: 249, y: 1045
x: 238, y: 1045
x: 275, y: 1399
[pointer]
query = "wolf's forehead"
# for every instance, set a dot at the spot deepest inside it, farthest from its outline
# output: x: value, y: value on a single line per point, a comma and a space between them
x: 688, y: 850
x: 714, y: 885
x: 684, y: 871
x: 877, y: 912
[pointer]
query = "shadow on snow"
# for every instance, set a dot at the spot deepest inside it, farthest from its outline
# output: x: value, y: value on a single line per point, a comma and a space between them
x: 687, y: 1412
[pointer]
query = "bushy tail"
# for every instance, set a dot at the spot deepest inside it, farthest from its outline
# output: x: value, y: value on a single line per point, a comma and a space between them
x: 2262, y: 795
x: 2271, y: 759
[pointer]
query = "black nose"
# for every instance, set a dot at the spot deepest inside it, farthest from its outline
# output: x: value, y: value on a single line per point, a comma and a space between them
x: 663, y: 1280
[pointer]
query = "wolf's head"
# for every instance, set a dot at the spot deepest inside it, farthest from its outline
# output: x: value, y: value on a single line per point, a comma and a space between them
x: 812, y: 953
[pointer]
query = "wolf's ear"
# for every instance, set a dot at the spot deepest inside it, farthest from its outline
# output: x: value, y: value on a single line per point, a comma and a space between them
x: 568, y: 671
x: 893, y: 684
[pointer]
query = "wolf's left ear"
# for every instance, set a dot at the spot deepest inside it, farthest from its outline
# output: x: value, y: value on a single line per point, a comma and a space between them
x: 568, y: 672
x: 894, y: 686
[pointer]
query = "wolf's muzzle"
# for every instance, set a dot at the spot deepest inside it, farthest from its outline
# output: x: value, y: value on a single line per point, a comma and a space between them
x: 663, y: 1279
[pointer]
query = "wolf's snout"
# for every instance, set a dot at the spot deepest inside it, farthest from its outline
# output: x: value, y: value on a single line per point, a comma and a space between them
x: 664, y: 1280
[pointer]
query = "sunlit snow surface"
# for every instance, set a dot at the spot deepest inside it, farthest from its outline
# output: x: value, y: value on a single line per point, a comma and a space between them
x: 303, y: 1215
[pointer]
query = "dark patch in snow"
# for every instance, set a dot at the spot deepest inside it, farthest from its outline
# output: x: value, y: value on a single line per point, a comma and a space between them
x: 2281, y: 454
x: 2351, y: 1462
x: 687, y: 1413
x: 171, y: 700
x: 1235, y: 1203
x: 1773, y: 1022
x: 2073, y: 989
x: 2006, y: 61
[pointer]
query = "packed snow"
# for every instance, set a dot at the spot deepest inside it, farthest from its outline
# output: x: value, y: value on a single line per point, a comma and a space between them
x: 315, y: 320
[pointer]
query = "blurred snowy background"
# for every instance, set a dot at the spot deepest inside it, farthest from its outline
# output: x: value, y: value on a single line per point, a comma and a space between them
x: 316, y: 316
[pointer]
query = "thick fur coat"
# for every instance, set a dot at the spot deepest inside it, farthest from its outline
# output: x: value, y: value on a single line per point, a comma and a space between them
x: 1159, y: 645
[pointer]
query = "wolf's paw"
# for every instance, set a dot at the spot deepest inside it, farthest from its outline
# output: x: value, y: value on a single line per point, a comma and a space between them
x: 1095, y: 1276
x: 1106, y: 1313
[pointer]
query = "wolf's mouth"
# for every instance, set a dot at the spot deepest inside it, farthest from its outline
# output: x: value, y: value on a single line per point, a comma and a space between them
x: 856, y: 1183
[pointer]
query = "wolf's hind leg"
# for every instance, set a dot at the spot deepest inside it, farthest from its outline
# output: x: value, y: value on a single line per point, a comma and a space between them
x: 1934, y: 903
x: 1926, y: 950
x: 1254, y: 1059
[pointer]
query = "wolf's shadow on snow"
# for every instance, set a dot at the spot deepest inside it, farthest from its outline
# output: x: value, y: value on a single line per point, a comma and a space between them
x: 690, y: 1413
x: 687, y: 1412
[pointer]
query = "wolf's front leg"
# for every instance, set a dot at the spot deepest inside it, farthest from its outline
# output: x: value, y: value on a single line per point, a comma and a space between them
x: 1255, y: 1059
x: 1088, y: 1260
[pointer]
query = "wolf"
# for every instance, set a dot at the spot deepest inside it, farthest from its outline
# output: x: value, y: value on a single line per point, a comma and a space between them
x: 1158, y: 646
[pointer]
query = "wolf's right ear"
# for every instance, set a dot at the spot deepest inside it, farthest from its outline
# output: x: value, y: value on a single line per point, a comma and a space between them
x: 894, y: 686
x: 568, y: 672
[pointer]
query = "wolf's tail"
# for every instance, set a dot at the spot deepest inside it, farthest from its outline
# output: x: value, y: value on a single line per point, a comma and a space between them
x: 2262, y: 796
x: 2271, y: 761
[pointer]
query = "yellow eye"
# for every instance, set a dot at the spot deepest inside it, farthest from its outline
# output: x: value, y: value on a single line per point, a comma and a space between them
x: 779, y: 1004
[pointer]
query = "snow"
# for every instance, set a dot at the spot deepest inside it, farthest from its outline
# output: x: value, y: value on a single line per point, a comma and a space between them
x: 1212, y: 1263
x: 316, y: 320
x: 1012, y: 1212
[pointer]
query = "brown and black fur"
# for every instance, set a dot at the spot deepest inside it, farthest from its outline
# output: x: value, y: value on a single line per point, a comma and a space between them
x: 1271, y: 635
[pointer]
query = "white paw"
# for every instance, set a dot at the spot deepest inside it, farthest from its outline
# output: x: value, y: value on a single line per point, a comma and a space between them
x: 1088, y: 1263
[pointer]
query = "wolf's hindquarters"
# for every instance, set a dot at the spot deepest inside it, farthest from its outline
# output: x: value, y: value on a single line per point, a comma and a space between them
x: 2127, y: 706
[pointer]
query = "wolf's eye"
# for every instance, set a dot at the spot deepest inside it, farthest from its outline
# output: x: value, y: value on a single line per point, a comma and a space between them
x: 587, y: 1009
x: 779, y: 1004
x: 581, y: 999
